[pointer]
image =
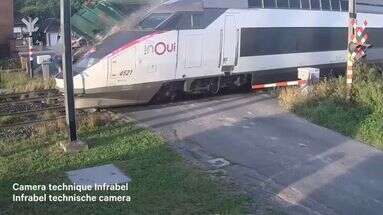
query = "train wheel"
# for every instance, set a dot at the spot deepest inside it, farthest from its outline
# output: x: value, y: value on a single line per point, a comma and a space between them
x: 168, y: 92
x: 215, y: 86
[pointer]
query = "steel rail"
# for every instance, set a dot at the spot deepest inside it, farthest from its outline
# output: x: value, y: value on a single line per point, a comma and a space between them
x: 30, y: 100
x: 33, y: 122
x: 23, y: 124
x: 58, y: 107
x: 12, y: 95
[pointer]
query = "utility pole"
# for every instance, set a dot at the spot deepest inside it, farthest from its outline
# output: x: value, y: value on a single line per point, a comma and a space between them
x: 74, y: 145
x: 351, y: 28
x: 67, y: 68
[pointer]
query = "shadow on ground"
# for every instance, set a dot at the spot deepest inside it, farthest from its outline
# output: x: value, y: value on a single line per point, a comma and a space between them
x: 285, y: 163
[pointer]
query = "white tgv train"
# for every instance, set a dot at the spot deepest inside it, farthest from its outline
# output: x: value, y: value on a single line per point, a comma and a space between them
x: 194, y: 46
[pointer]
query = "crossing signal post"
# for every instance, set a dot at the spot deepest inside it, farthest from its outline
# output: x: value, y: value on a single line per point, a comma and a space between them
x: 357, y: 51
x: 351, y: 33
x: 357, y: 46
x: 30, y: 26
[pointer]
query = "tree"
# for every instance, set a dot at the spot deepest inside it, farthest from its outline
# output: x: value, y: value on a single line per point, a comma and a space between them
x: 43, y: 8
x: 39, y: 8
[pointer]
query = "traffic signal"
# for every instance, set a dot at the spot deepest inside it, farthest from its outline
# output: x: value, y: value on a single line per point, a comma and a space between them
x: 358, y: 51
x: 357, y: 47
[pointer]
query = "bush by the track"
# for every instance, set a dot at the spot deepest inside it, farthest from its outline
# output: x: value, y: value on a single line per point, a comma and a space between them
x: 15, y: 82
x: 327, y: 104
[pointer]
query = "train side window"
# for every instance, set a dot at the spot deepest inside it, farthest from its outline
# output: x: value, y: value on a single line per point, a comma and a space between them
x: 255, y: 3
x: 315, y: 5
x: 344, y: 5
x: 335, y: 5
x: 283, y: 3
x: 295, y: 4
x: 154, y: 20
x: 325, y: 4
x: 269, y: 3
x: 305, y: 4
x: 172, y: 24
x: 185, y: 22
x: 197, y: 21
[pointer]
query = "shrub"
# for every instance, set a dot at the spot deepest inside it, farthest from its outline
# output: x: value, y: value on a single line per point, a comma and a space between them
x: 329, y: 89
x: 371, y: 130
x: 20, y: 82
x: 327, y: 104
x: 92, y: 121
x: 13, y: 63
x: 290, y: 98
x: 85, y: 123
x: 368, y: 87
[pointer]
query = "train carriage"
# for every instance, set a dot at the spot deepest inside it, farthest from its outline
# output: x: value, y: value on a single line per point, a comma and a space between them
x: 203, y: 46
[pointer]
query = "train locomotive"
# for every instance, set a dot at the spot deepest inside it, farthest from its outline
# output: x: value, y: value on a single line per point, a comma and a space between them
x: 204, y: 46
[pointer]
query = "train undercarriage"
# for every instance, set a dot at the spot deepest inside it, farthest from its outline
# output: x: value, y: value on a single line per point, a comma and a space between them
x: 170, y: 91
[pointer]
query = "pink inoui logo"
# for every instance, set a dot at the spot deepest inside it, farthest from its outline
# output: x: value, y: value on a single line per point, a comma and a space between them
x: 160, y: 48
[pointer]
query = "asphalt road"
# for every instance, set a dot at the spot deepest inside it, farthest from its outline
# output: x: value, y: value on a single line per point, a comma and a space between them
x: 285, y: 163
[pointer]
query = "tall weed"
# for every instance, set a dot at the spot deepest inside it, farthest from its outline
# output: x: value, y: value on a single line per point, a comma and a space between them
x: 327, y: 104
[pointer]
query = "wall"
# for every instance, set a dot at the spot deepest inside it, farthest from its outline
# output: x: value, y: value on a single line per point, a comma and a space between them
x: 6, y: 26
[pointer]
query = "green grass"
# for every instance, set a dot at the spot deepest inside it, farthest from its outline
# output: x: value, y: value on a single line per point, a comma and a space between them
x: 5, y: 120
x: 21, y: 82
x: 12, y: 63
x: 327, y: 105
x: 353, y: 121
x: 162, y: 183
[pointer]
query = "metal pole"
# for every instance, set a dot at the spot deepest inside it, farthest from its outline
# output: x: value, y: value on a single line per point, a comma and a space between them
x: 350, y: 60
x: 67, y: 68
x: 30, y: 48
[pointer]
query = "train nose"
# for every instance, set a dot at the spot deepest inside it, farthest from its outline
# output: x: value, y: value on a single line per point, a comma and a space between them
x: 59, y: 79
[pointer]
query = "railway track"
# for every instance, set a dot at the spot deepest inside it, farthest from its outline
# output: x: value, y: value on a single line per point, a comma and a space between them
x: 20, y: 113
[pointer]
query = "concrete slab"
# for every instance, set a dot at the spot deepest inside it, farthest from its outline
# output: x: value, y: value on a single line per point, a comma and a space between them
x: 279, y: 159
x: 74, y: 147
x: 108, y: 174
x: 219, y: 162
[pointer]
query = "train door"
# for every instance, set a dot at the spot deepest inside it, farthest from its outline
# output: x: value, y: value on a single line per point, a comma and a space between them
x: 193, y: 50
x: 230, y: 44
x: 190, y: 47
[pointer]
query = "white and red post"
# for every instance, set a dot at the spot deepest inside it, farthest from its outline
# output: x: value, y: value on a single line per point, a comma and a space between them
x: 30, y: 53
x: 351, y: 32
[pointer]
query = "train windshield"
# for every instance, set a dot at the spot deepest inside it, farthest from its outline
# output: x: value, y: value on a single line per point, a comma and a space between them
x: 87, y: 62
x: 154, y: 20
x: 84, y: 64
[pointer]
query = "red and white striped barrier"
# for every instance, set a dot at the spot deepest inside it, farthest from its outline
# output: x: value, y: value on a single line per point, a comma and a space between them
x: 280, y: 84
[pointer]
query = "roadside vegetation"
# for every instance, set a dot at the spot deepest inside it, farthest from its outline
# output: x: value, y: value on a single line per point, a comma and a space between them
x: 161, y: 182
x: 327, y: 104
x: 51, y: 123
x: 10, y: 64
x: 20, y: 82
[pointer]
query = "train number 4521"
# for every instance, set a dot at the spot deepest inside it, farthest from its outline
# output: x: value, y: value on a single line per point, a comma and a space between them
x: 126, y: 73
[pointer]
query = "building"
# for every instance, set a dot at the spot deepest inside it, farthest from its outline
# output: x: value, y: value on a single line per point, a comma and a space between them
x: 51, y: 29
x: 6, y: 28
